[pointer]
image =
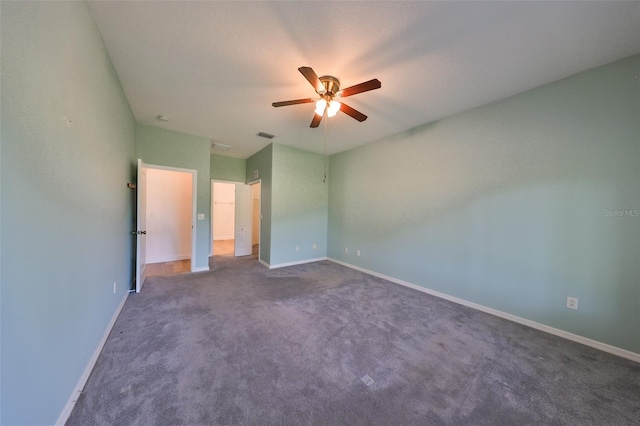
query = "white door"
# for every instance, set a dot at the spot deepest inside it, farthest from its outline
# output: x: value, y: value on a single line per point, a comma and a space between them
x: 255, y: 213
x: 141, y: 225
x: 243, y: 220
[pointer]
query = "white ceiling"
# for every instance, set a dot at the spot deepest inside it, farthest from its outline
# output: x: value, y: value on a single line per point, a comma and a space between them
x: 214, y: 68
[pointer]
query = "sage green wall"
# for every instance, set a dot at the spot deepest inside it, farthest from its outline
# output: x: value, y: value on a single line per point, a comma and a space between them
x: 68, y: 151
x: 168, y: 148
x: 514, y: 205
x: 262, y: 162
x: 228, y: 168
x: 298, y: 206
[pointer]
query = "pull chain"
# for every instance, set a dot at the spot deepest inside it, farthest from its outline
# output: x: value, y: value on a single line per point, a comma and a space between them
x: 326, y: 123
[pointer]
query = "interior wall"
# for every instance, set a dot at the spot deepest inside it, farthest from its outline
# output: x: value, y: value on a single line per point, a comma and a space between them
x: 299, y: 206
x: 294, y: 204
x: 168, y: 148
x: 169, y: 215
x: 224, y: 210
x: 67, y: 142
x: 228, y: 168
x: 514, y: 205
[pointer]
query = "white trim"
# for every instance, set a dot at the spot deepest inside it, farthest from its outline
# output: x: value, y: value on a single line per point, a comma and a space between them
x: 200, y: 269
x: 298, y: 262
x: 257, y: 182
x: 224, y: 237
x: 538, y: 326
x: 262, y: 262
x: 75, y: 394
x: 194, y: 218
x: 169, y: 168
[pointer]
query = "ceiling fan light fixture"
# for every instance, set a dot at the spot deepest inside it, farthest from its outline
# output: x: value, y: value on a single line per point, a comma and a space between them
x: 334, y: 107
x: 321, y: 105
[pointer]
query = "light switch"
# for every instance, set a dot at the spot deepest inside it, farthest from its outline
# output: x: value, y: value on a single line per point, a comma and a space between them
x: 200, y: 216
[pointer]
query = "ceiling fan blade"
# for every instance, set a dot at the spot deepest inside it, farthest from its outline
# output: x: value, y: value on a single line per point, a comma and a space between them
x: 293, y: 102
x: 353, y: 112
x: 316, y: 120
x: 362, y: 87
x: 312, y: 77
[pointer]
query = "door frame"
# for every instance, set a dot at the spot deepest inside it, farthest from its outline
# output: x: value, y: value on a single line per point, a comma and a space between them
x: 254, y: 182
x: 194, y: 204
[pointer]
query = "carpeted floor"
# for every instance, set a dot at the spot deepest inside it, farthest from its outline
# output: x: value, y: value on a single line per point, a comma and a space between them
x: 242, y: 344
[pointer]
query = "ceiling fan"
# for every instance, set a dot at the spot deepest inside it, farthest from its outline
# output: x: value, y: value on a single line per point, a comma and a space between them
x: 328, y: 87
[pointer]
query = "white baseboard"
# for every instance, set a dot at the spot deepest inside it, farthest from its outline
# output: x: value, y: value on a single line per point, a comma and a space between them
x: 75, y: 394
x: 262, y: 262
x: 224, y: 237
x: 200, y: 269
x: 298, y: 262
x: 533, y: 324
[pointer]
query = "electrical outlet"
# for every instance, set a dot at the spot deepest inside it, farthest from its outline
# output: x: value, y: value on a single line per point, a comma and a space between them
x: 114, y: 287
x: 572, y: 303
x: 346, y: 250
x: 357, y: 252
x: 315, y: 246
x: 297, y: 248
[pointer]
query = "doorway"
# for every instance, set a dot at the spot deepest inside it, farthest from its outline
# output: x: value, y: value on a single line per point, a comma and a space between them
x: 223, y: 213
x: 235, y: 218
x: 169, y: 221
x: 165, y: 225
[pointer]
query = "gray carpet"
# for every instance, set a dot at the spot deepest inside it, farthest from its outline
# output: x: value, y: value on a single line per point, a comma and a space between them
x: 245, y: 345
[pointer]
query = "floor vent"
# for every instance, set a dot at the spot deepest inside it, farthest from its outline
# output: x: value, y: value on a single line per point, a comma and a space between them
x: 367, y: 380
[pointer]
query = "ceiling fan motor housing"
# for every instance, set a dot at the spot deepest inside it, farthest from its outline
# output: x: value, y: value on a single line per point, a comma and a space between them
x: 331, y: 84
